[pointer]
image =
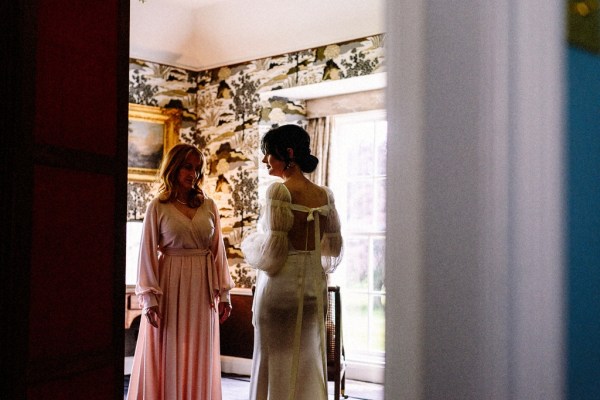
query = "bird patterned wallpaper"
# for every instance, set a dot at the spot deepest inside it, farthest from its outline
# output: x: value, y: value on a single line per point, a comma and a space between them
x: 225, y: 110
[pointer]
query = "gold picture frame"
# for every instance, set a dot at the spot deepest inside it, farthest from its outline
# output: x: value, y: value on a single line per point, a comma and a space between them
x: 152, y: 133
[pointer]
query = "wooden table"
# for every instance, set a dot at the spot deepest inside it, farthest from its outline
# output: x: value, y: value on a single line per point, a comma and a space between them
x: 133, y: 308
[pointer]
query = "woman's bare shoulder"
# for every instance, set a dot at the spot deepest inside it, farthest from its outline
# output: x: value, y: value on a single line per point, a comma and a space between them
x: 309, y: 194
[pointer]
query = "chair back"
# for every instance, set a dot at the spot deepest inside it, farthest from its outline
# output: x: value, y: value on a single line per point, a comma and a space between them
x: 336, y: 363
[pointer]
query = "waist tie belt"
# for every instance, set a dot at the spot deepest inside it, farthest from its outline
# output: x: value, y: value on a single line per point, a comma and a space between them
x: 209, y: 267
x: 185, y: 252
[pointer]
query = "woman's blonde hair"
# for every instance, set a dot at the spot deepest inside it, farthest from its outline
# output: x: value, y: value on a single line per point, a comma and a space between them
x: 169, y: 171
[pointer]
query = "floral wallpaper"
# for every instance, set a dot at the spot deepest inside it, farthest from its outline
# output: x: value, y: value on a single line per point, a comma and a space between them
x: 226, y: 109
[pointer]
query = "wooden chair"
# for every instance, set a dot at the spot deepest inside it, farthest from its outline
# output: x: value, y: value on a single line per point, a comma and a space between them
x: 336, y: 362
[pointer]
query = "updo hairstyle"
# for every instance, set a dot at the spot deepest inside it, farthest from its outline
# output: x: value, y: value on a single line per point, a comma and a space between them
x: 278, y: 140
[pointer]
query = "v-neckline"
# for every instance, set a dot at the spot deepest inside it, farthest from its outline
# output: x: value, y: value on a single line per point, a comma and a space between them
x: 184, y: 214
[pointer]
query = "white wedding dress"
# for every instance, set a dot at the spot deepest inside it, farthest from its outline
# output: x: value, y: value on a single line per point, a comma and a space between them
x: 289, y: 360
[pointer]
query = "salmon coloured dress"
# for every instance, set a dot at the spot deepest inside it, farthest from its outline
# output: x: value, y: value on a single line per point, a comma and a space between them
x: 289, y: 360
x: 183, y: 269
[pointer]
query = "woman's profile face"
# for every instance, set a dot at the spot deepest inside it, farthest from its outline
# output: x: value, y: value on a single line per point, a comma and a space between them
x: 189, y: 172
x: 275, y: 166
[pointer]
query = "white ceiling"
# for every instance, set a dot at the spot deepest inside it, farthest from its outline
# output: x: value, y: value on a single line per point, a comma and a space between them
x: 203, y: 34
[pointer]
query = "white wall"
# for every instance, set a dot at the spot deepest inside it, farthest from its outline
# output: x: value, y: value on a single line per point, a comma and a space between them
x: 217, y: 33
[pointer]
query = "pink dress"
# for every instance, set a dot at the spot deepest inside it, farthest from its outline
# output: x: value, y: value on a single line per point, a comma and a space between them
x: 183, y: 269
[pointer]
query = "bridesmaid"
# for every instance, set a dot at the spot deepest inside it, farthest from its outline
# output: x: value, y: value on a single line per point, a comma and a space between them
x: 183, y: 284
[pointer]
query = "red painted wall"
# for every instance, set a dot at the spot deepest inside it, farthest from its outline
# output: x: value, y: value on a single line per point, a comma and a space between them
x: 65, y: 191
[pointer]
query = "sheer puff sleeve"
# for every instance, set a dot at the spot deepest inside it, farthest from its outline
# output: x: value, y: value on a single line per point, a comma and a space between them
x: 331, y: 242
x: 267, y: 248
x: 147, y: 287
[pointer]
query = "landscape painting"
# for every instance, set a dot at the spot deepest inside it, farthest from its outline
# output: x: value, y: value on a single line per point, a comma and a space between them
x: 152, y: 132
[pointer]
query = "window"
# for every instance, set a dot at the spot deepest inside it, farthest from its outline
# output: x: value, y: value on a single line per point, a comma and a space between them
x: 134, y: 236
x: 357, y: 176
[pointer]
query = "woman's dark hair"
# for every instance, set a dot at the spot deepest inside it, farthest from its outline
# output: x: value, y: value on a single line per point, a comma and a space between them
x: 278, y: 140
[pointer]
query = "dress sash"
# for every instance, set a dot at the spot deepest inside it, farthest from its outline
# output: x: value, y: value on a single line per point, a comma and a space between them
x: 209, y: 267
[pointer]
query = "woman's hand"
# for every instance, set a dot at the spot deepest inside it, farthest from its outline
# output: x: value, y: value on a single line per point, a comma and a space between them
x: 153, y: 315
x: 224, y: 311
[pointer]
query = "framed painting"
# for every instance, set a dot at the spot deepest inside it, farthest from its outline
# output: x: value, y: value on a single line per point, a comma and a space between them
x: 152, y: 132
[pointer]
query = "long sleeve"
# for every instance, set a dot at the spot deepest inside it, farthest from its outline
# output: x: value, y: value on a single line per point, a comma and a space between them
x: 224, y: 281
x: 267, y: 248
x: 147, y: 286
x: 331, y: 242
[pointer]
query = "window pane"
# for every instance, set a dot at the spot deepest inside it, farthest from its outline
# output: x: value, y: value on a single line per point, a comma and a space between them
x: 134, y: 234
x: 377, y: 325
x: 355, y: 320
x: 379, y: 204
x: 360, y: 158
x: 356, y: 261
x: 380, y: 147
x: 378, y: 264
x: 359, y: 202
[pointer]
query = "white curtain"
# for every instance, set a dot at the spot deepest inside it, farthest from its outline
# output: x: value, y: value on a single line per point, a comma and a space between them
x: 319, y: 130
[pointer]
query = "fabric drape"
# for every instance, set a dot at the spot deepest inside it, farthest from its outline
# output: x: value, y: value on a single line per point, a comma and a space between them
x: 319, y: 130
